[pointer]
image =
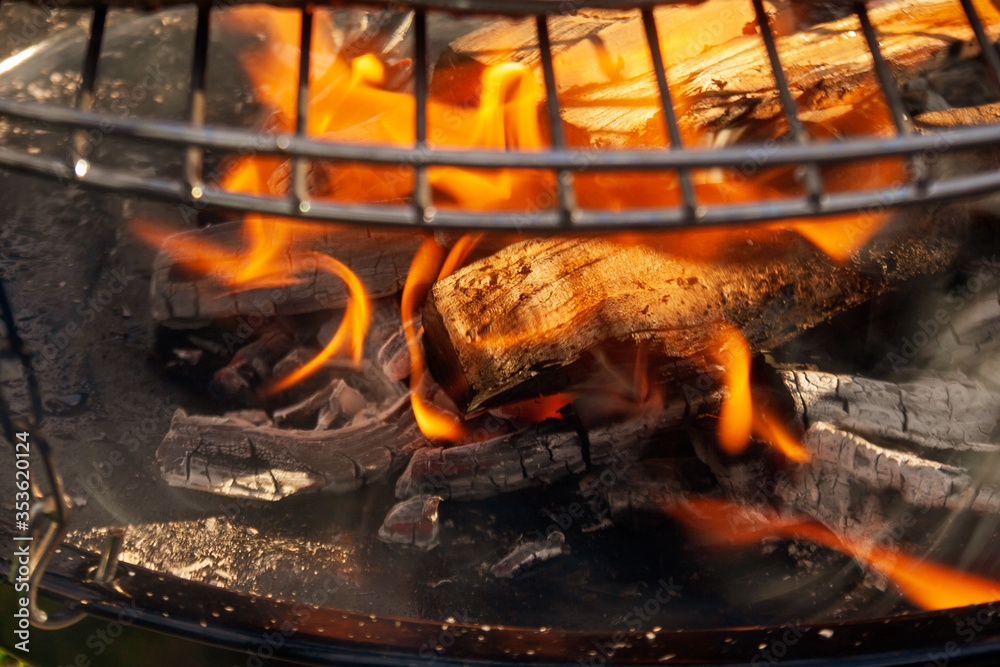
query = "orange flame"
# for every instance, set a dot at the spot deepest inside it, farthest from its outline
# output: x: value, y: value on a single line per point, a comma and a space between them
x: 459, y: 253
x: 273, y: 257
x: 427, y: 263
x: 535, y: 409
x: 350, y: 335
x: 738, y: 416
x: 736, y: 413
x: 355, y: 100
x: 929, y: 585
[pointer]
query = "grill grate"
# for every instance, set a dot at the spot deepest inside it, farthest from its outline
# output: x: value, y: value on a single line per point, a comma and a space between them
x: 564, y: 162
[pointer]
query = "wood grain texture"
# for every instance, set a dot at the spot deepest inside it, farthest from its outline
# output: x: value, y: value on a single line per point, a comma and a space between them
x: 517, y: 322
x: 929, y: 413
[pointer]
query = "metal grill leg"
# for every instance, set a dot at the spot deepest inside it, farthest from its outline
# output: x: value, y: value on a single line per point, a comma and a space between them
x: 85, y: 99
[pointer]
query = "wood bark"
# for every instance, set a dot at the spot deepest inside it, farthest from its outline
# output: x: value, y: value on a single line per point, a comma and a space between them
x: 880, y: 450
x: 521, y: 321
x: 929, y: 413
x: 853, y: 485
x: 235, y: 457
x: 543, y: 454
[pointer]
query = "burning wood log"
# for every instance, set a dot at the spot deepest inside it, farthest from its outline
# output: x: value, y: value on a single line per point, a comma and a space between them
x: 852, y: 484
x: 182, y: 298
x: 523, y: 321
x: 719, y: 68
x: 235, y: 457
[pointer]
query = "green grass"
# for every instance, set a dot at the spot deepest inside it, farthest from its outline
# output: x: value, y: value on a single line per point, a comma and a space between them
x: 9, y: 660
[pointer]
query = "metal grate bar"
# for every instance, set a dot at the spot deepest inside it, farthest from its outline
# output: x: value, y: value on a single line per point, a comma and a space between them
x: 85, y: 99
x: 669, y: 114
x: 421, y: 184
x: 300, y: 165
x: 388, y: 215
x: 194, y: 159
x: 893, y: 96
x: 564, y: 177
x: 989, y: 51
x: 233, y: 139
x: 814, y: 182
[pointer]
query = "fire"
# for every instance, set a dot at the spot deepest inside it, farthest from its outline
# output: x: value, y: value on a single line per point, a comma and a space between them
x: 427, y: 264
x: 929, y: 585
x: 354, y: 100
x: 738, y: 416
x: 535, y: 410
x: 736, y: 413
x: 351, y: 101
x: 276, y: 254
x: 350, y: 335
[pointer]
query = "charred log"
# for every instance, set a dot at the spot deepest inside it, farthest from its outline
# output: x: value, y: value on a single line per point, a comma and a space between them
x: 852, y: 485
x: 540, y: 455
x: 930, y: 412
x: 234, y: 457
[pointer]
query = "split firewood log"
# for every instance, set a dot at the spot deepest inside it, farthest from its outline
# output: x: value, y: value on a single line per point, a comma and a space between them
x: 852, y: 484
x: 525, y: 320
x: 718, y: 68
x: 928, y: 413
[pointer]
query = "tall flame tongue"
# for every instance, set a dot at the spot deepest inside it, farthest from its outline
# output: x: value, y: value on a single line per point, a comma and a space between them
x: 738, y: 416
x: 350, y: 335
x: 274, y: 257
x: 929, y: 585
x: 427, y: 265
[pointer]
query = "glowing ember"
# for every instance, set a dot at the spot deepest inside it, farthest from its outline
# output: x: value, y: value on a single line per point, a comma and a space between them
x: 929, y: 585
x: 738, y: 416
x: 535, y: 409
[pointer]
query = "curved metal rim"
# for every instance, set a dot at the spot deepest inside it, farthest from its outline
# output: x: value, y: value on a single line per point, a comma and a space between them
x: 177, y: 606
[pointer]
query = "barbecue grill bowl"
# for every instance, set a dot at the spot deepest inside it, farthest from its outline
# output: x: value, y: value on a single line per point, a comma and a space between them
x: 213, y: 620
